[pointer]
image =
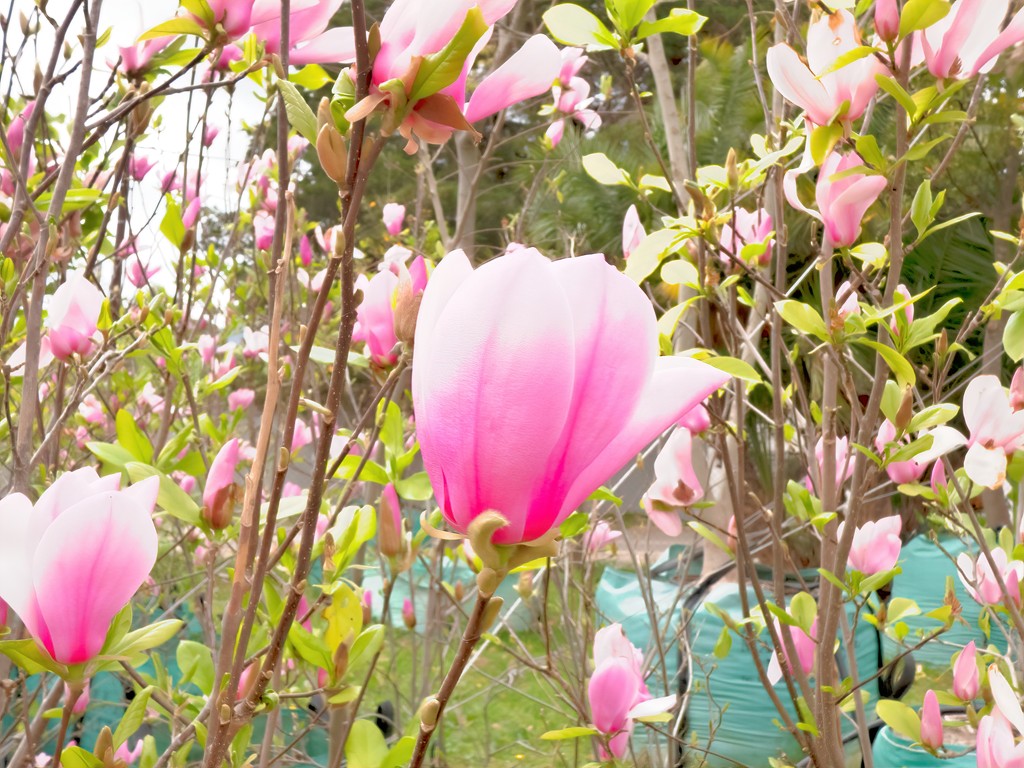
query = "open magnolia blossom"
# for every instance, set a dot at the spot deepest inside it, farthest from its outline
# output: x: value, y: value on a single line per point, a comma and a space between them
x: 804, y: 644
x: 823, y: 91
x: 980, y: 579
x: 72, y: 560
x: 996, y: 430
x: 675, y: 483
x: 876, y: 545
x: 998, y: 744
x: 433, y: 108
x: 617, y: 692
x: 747, y: 228
x: 969, y: 38
x: 534, y: 381
x: 944, y: 440
x: 843, y: 470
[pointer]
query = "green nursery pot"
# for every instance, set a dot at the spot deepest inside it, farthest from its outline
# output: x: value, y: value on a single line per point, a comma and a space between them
x: 893, y: 751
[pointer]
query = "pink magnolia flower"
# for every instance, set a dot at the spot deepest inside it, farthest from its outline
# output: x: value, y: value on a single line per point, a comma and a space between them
x: 256, y: 342
x: 210, y: 134
x: 219, y: 493
x: 139, y: 166
x: 389, y: 529
x: 601, y: 535
x: 966, y: 682
x: 207, y: 345
x: 190, y: 215
x: 1017, y: 390
x: 15, y: 141
x: 633, y: 232
x: 263, y: 226
x: 311, y: 41
x: 394, y: 216
x: 129, y: 756
x: 969, y: 38
x: 900, y: 472
x: 876, y: 545
x: 408, y: 614
x: 996, y: 744
x: 92, y: 410
x: 804, y: 645
x: 675, y: 482
x: 72, y: 317
x: 747, y: 228
x: 617, y: 692
x: 931, y: 722
x: 697, y: 419
x: 411, y: 29
x: 980, y: 580
x: 822, y: 92
x: 844, y: 466
x: 938, y: 477
x: 135, y: 58
x: 240, y: 399
x: 302, y: 436
x: 375, y: 315
x: 902, y: 294
x: 305, y: 251
x: 72, y: 560
x: 138, y: 274
x: 996, y: 431
x: 509, y: 415
x: 843, y: 202
x: 571, y: 95
x: 887, y: 19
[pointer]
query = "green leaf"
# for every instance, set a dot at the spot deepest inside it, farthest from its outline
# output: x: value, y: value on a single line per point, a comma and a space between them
x: 604, y: 171
x: 391, y: 432
x: 170, y: 497
x: 919, y: 14
x: 894, y: 89
x: 803, y: 609
x: 195, y: 661
x: 735, y: 367
x: 365, y: 747
x: 681, y: 272
x: 300, y: 115
x: 571, y: 24
x: 723, y: 645
x: 710, y: 535
x: 134, y: 715
x: 312, y: 77
x: 371, y: 473
x: 649, y: 254
x: 142, y: 640
x: 76, y: 757
x: 400, y: 753
x: 370, y: 641
x: 415, y: 487
x: 181, y: 25
x: 441, y: 69
x: 628, y: 13
x: 1013, y: 337
x: 131, y: 438
x: 30, y: 657
x: 576, y: 732
x: 114, y: 455
x: 900, y: 718
x: 933, y: 416
x: 679, y: 21
x: 603, y: 494
x: 899, y: 365
x: 921, y: 208
x: 171, y: 226
x: 803, y: 317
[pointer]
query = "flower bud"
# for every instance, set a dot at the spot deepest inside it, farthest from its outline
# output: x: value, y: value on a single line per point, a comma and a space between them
x: 525, y: 585
x: 408, y: 614
x: 330, y: 149
x: 340, y: 660
x: 887, y: 19
x: 389, y: 525
x: 906, y: 411
x: 407, y: 309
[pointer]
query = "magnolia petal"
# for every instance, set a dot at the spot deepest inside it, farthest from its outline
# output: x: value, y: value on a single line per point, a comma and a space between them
x: 797, y: 84
x: 986, y: 466
x: 528, y: 72
x: 334, y: 45
x: 653, y: 707
x: 1005, y: 698
x: 89, y: 563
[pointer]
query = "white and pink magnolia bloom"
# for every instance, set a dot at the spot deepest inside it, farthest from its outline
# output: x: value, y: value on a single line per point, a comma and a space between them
x: 968, y: 39
x: 823, y: 92
x: 509, y: 413
x: 601, y: 535
x: 139, y: 274
x: 72, y: 560
x: 633, y: 232
x: 72, y: 317
x: 617, y: 692
x: 393, y: 215
x: 747, y: 228
x: 844, y: 465
x: 571, y: 95
x: 876, y: 545
x: 804, y: 645
x: 998, y: 744
x: 676, y: 483
x: 311, y: 41
x: 996, y: 430
x: 412, y: 29
x: 980, y: 580
x: 219, y: 492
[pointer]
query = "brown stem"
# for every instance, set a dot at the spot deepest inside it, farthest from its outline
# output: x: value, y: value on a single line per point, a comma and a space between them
x: 469, y: 640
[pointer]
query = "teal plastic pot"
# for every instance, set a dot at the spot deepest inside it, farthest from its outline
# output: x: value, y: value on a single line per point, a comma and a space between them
x: 925, y: 570
x: 893, y: 751
x: 729, y: 714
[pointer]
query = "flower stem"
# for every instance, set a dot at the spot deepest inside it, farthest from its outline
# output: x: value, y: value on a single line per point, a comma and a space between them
x: 469, y: 640
x: 74, y: 691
